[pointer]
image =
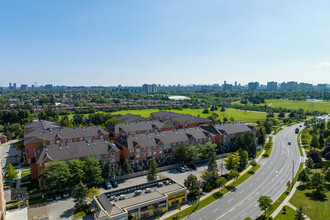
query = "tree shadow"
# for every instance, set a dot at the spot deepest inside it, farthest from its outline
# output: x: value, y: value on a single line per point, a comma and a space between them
x: 67, y: 213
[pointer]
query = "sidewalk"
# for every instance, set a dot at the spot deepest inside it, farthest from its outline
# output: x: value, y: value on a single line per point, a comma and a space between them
x: 294, y: 208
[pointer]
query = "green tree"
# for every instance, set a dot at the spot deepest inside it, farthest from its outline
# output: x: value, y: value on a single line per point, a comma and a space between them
x: 192, y: 184
x: 253, y: 163
x: 93, y: 192
x: 221, y: 182
x: 318, y: 183
x: 300, y: 214
x: 107, y: 170
x: 10, y: 173
x: 268, y: 127
x: 93, y: 170
x: 127, y: 167
x: 76, y: 167
x: 212, y: 165
x: 261, y: 135
x: 265, y: 203
x: 284, y: 210
x: 233, y: 174
x: 321, y: 140
x: 243, y: 158
x: 304, y: 176
x: 309, y: 163
x: 248, y: 218
x: 327, y: 175
x: 181, y: 154
x: 232, y: 161
x: 315, y: 142
x: 80, y: 192
x: 152, y: 172
x: 56, y: 176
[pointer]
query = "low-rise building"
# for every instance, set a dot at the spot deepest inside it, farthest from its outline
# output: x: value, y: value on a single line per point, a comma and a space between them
x: 3, y: 139
x: 140, y: 149
x: 225, y: 134
x: 100, y: 149
x: 140, y: 201
x: 180, y: 120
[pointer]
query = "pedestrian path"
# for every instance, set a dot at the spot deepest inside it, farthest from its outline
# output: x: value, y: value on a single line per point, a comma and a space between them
x: 295, y: 208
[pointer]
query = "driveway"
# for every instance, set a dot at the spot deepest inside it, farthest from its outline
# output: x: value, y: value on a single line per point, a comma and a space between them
x: 61, y: 209
x: 6, y: 148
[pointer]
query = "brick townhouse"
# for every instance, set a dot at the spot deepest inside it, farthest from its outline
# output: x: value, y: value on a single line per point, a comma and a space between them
x: 100, y: 149
x: 180, y: 120
x: 140, y: 149
x: 141, y: 127
x: 48, y: 133
x: 225, y: 134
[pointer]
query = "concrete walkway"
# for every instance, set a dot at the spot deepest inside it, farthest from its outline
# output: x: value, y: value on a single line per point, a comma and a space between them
x: 294, y: 208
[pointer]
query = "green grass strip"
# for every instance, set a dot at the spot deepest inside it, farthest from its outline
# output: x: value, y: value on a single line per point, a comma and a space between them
x: 213, y: 197
x: 298, y: 141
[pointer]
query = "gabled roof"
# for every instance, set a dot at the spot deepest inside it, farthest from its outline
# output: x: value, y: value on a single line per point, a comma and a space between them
x: 138, y: 126
x: 176, y: 117
x: 73, y: 150
x: 231, y: 128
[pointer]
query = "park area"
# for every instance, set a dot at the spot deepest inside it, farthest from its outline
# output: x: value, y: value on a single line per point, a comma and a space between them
x: 238, y: 115
x: 322, y: 106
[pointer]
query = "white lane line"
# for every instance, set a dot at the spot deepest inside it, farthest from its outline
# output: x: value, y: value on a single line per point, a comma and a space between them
x: 230, y: 200
x: 256, y: 204
x: 242, y: 191
x: 215, y: 210
x: 281, y: 170
x: 262, y: 188
x: 249, y: 198
x: 243, y: 214
x: 250, y: 185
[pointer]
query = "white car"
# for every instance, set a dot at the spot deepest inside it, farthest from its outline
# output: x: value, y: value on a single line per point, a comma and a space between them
x: 108, y: 185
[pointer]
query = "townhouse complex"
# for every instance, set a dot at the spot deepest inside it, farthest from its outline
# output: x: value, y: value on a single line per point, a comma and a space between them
x: 138, y: 140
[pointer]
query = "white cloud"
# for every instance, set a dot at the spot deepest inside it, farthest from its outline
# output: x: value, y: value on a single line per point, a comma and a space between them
x: 323, y: 64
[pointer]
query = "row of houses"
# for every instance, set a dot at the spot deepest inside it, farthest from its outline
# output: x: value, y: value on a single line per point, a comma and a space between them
x: 138, y: 141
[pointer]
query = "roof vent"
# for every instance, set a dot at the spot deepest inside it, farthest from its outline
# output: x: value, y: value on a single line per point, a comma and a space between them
x: 94, y: 144
x: 87, y: 145
x: 61, y: 148
x: 67, y: 147
x: 46, y: 150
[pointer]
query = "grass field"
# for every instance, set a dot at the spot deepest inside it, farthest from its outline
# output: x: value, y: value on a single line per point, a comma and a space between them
x: 290, y: 104
x: 236, y: 114
x: 290, y: 214
x: 314, y: 208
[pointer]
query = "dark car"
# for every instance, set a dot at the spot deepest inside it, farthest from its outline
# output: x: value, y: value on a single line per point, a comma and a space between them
x: 193, y: 166
x: 49, y: 197
x: 181, y: 169
x: 114, y: 183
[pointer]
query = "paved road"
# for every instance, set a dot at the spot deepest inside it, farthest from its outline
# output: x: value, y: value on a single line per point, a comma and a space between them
x: 269, y: 180
x: 6, y: 148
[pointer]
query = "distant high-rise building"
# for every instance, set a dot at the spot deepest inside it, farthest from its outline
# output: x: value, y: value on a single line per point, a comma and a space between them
x: 225, y: 82
x: 235, y: 83
x: 253, y: 86
x: 227, y: 87
x: 48, y: 86
x: 10, y: 86
x: 14, y: 86
x: 149, y: 88
x: 292, y: 85
x: 305, y: 86
x: 24, y: 87
x: 272, y: 86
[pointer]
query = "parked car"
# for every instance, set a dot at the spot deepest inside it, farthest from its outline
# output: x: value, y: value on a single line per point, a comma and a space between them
x: 181, y: 169
x: 121, y: 197
x: 114, y: 183
x: 186, y: 168
x: 58, y: 197
x: 148, y: 190
x: 138, y: 192
x: 66, y: 194
x: 108, y: 185
x: 49, y: 197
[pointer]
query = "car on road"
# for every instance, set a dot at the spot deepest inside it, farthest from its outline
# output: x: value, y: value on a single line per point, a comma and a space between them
x: 114, y: 184
x: 289, y: 143
x: 108, y: 185
x: 186, y: 168
x: 300, y: 125
x: 193, y: 166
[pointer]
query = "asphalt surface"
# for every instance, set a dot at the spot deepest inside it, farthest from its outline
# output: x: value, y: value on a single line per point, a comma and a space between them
x: 270, y: 180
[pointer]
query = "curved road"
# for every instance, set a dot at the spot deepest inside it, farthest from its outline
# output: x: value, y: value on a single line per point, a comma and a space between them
x: 270, y: 179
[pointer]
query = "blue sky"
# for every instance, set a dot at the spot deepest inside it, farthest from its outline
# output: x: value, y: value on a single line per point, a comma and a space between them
x: 125, y: 42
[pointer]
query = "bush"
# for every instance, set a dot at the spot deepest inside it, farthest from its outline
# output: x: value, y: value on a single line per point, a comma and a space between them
x: 316, y: 157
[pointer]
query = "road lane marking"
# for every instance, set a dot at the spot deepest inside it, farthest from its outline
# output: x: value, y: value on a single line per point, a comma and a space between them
x: 230, y: 200
x: 241, y: 191
x: 215, y: 210
x: 243, y: 214
x: 247, y: 196
x: 250, y: 184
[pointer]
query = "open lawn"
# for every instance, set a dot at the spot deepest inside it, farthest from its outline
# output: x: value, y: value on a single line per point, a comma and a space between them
x: 306, y: 105
x: 236, y: 114
x: 289, y: 215
x: 314, y: 208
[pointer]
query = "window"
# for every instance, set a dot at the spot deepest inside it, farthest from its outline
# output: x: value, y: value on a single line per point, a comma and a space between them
x: 137, y: 150
x: 75, y: 139
x: 144, y: 149
x: 112, y: 154
x: 155, y: 152
x: 104, y: 155
x: 174, y: 149
x: 101, y: 136
x: 155, y: 147
x: 144, y: 155
x: 174, y: 144
x: 160, y: 146
x: 192, y: 141
x: 225, y: 136
x: 160, y: 152
x: 138, y: 156
x: 58, y: 141
x: 112, y: 160
x: 209, y: 138
x: 95, y: 137
x: 81, y: 139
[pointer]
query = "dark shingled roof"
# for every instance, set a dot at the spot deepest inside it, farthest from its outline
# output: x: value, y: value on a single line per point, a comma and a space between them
x: 139, y: 126
x: 129, y: 118
x: 73, y: 150
x: 176, y: 117
x: 167, y: 137
x: 232, y: 128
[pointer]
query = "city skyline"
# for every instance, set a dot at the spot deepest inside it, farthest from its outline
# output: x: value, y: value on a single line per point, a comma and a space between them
x: 187, y: 42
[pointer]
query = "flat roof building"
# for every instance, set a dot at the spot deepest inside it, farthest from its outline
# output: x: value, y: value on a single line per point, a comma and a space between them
x: 140, y: 201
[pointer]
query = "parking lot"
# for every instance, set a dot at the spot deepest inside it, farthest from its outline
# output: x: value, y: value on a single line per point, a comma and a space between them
x: 63, y: 209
